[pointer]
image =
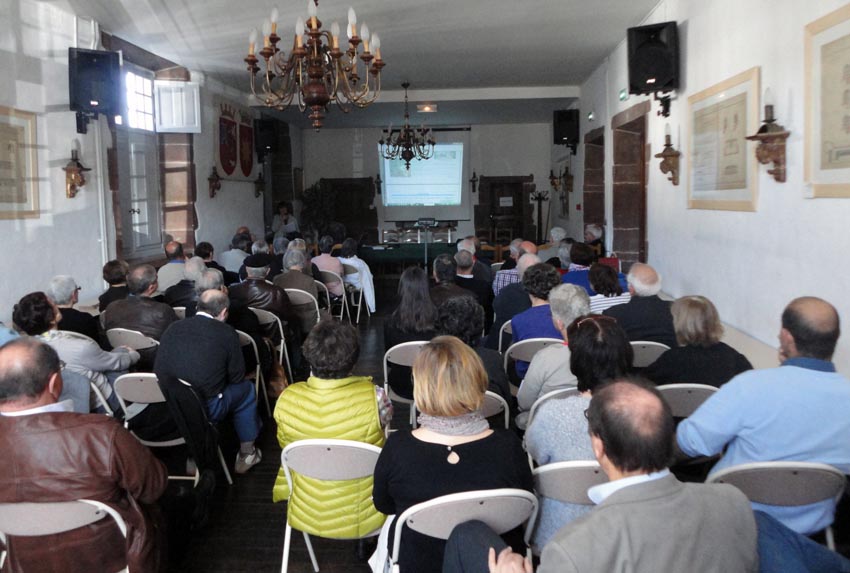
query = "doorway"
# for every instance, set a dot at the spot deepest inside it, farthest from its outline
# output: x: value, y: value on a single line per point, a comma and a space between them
x: 629, y: 183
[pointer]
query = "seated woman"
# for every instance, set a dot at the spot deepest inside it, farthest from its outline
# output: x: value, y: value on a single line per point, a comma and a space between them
x: 609, y: 287
x: 700, y: 357
x: 332, y: 403
x: 599, y: 351
x: 327, y: 262
x: 38, y: 316
x: 362, y: 279
x: 452, y: 451
x: 536, y: 322
x: 413, y: 319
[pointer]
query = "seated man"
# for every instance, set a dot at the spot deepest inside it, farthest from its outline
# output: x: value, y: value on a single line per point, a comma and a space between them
x: 581, y: 259
x: 332, y: 403
x: 115, y: 275
x: 51, y: 454
x: 63, y: 291
x: 513, y: 255
x: 294, y: 277
x: 465, y: 279
x: 645, y: 316
x: 504, y: 277
x: 240, y: 245
x: 645, y: 519
x: 205, y: 352
x: 550, y: 253
x: 510, y: 301
x: 256, y: 292
x: 171, y: 272
x: 183, y: 293
x: 261, y: 256
x: 550, y: 368
x: 444, y: 275
x: 797, y: 411
x: 206, y: 251
x: 536, y: 322
x: 479, y: 270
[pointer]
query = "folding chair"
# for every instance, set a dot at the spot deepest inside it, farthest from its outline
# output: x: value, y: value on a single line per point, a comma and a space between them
x: 786, y: 484
x: 321, y: 288
x: 329, y: 277
x: 495, y: 405
x: 495, y: 267
x: 143, y: 388
x: 37, y: 519
x: 505, y: 329
x: 501, y: 509
x: 130, y: 338
x: 267, y: 317
x: 356, y: 293
x: 647, y: 352
x: 180, y: 311
x: 325, y: 460
x: 259, y: 383
x: 684, y: 399
x: 403, y: 355
x: 298, y: 297
x: 526, y: 349
x: 553, y: 395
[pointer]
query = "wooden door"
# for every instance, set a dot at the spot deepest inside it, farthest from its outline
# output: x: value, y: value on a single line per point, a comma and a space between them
x: 503, y: 211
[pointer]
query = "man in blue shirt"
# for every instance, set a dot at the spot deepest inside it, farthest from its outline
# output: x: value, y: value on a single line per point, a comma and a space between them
x: 796, y: 412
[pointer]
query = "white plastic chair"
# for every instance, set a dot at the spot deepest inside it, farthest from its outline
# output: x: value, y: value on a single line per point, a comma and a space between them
x: 505, y: 329
x: 321, y: 287
x: 37, y: 519
x: 786, y: 484
x: 298, y: 297
x: 326, y: 460
x: 356, y: 293
x: 684, y: 399
x: 495, y: 405
x: 647, y: 352
x: 526, y: 349
x: 130, y: 338
x: 180, y: 311
x: 259, y: 384
x: 501, y: 509
x: 265, y: 317
x: 553, y: 395
x: 568, y: 481
x: 329, y: 277
x: 402, y: 355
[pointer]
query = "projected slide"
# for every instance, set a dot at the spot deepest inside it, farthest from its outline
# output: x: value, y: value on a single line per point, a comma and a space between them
x: 432, y: 182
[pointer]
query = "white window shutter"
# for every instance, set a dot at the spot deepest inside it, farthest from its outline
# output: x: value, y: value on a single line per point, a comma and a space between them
x: 178, y: 106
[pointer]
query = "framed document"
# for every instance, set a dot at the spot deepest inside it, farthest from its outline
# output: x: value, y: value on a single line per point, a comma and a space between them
x: 827, y: 81
x: 18, y: 165
x: 723, y: 170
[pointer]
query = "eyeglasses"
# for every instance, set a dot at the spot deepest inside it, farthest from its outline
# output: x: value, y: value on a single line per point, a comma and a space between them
x: 594, y: 319
x: 586, y: 415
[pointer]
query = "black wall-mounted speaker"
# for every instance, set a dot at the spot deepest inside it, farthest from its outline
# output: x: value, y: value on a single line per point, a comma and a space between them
x: 265, y: 137
x: 565, y: 127
x: 94, y: 81
x: 653, y: 58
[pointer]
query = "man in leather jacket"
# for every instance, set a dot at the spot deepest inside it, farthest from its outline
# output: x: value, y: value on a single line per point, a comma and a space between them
x: 52, y: 454
x: 256, y: 292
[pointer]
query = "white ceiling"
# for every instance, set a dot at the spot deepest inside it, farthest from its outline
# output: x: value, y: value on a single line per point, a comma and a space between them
x: 434, y: 44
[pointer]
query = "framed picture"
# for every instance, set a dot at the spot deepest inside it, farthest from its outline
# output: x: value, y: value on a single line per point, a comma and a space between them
x: 18, y: 165
x: 723, y: 170
x: 827, y: 133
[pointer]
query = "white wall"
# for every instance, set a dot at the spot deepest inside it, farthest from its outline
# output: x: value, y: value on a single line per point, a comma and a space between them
x: 495, y: 150
x: 749, y: 264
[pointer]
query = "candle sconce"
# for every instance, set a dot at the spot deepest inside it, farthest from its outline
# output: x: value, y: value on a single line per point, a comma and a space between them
x: 259, y: 185
x: 214, y: 181
x: 473, y: 183
x: 669, y: 157
x: 74, y: 178
x: 771, y: 138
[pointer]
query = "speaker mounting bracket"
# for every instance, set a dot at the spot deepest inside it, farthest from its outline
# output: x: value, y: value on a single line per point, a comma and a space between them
x: 664, y: 99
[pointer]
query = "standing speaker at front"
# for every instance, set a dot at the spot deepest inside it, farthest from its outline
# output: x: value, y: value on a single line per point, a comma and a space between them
x: 565, y: 127
x: 653, y: 58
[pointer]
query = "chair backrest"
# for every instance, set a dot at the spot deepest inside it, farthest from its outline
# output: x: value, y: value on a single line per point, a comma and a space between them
x: 402, y: 354
x: 568, y: 481
x: 298, y: 297
x: 330, y: 460
x: 336, y: 248
x: 329, y: 277
x: 320, y: 287
x: 495, y: 266
x: 350, y: 269
x: 501, y: 509
x: 131, y: 338
x: 268, y: 317
x: 495, y: 405
x: 35, y: 519
x: 647, y: 352
x: 553, y: 395
x: 784, y: 483
x: 526, y: 349
x: 142, y: 388
x: 505, y: 329
x: 685, y: 398
x: 180, y: 311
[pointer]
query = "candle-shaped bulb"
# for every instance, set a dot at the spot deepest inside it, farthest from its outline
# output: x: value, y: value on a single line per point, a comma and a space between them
x: 768, y: 105
x: 274, y: 16
x: 267, y: 28
x: 299, y: 30
x: 352, y: 17
x: 312, y: 9
x: 667, y: 130
x: 376, y: 45
x: 768, y: 97
x: 335, y: 34
x: 252, y: 41
x: 364, y: 32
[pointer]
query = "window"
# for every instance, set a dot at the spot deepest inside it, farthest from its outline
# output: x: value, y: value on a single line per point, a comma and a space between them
x: 139, y: 101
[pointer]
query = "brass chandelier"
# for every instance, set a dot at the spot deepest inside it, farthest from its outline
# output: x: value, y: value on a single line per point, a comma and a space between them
x: 410, y: 142
x: 316, y: 72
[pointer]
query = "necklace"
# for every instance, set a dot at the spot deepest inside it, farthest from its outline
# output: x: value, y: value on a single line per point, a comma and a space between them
x: 452, y: 458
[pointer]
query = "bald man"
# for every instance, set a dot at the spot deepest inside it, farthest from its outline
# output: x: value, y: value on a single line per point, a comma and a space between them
x: 645, y: 316
x: 797, y: 411
x: 512, y: 275
x: 171, y: 272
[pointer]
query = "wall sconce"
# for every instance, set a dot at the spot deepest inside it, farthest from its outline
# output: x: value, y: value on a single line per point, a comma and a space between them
x: 215, y: 182
x: 74, y: 178
x: 474, y: 182
x: 771, y: 138
x: 554, y: 181
x: 378, y: 183
x: 669, y: 158
x: 259, y: 185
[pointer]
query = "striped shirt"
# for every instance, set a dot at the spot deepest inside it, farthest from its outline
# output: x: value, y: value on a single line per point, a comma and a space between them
x: 600, y: 302
x: 504, y: 278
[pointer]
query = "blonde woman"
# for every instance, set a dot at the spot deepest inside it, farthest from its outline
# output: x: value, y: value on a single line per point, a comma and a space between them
x: 453, y: 450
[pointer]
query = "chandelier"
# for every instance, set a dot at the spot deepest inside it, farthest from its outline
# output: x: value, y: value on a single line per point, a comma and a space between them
x: 410, y: 142
x: 316, y: 72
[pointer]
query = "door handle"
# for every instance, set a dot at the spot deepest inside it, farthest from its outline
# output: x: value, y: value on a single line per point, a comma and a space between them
x: 136, y: 211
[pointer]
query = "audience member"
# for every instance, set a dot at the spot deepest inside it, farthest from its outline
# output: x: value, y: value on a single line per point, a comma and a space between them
x: 645, y: 316
x: 646, y: 520
x: 294, y: 278
x: 115, y: 275
x: 183, y: 293
x: 279, y: 247
x: 261, y: 256
x: 362, y: 279
x: 514, y: 253
x: 64, y: 292
x: 51, y: 455
x: 549, y: 255
x: 536, y: 322
x: 511, y: 301
x: 453, y: 450
x: 581, y: 257
x: 284, y: 223
x: 478, y: 287
x: 550, y: 368
x: 593, y: 236
x: 600, y: 352
x: 504, y: 277
x: 700, y: 357
x: 310, y: 269
x: 207, y: 253
x: 240, y: 246
x: 563, y: 264
x: 172, y: 271
x: 606, y: 288
x: 445, y: 274
x: 797, y: 411
x: 413, y: 319
x: 256, y: 292
x: 327, y: 262
x: 218, y: 378
x: 479, y: 270
x: 332, y: 403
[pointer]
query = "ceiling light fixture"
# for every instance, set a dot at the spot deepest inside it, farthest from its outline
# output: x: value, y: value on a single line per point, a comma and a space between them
x: 410, y: 142
x: 426, y: 108
x: 316, y: 72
